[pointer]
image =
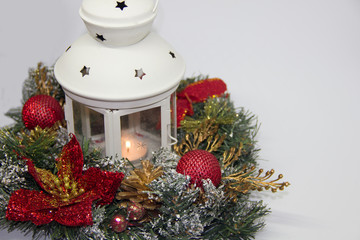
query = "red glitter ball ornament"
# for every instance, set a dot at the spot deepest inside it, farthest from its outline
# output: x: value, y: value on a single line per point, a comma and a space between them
x: 119, y: 223
x: 200, y: 164
x: 42, y: 111
x: 135, y: 211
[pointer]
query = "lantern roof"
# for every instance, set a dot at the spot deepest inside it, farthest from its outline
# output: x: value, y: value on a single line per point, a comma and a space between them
x: 118, y: 63
x: 118, y: 13
x: 118, y: 22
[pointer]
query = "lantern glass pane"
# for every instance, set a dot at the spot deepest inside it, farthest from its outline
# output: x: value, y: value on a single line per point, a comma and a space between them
x: 173, y: 130
x: 89, y: 125
x: 140, y: 134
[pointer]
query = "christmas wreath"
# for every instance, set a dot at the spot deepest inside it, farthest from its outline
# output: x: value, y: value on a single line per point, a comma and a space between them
x: 52, y: 186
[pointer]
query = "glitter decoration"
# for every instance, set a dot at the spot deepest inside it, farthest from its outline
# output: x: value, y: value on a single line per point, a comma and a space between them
x: 12, y: 170
x: 200, y: 165
x: 206, y: 133
x: 95, y: 231
x: 183, y: 108
x: 185, y: 217
x: 202, y: 90
x: 41, y: 110
x: 166, y: 158
x: 135, y: 211
x: 67, y: 198
x: 246, y: 180
x: 118, y: 223
x: 197, y: 92
x: 112, y: 164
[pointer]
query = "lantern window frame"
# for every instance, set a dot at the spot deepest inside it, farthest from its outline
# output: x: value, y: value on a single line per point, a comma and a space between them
x: 112, y: 122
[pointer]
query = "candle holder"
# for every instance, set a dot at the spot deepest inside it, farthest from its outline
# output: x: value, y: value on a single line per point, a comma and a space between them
x: 119, y: 80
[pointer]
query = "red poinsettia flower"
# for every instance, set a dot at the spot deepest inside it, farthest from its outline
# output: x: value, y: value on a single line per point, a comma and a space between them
x: 68, y: 197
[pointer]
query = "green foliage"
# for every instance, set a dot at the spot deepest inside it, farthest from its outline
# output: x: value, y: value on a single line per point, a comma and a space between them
x: 39, y: 74
x: 239, y: 220
x: 186, y: 212
x: 15, y: 114
x: 239, y: 126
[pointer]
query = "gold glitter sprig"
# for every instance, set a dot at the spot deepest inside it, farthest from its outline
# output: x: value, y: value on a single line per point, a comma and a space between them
x: 206, y: 132
x: 232, y: 155
x: 43, y: 82
x: 217, y: 109
x: 244, y: 181
x: 30, y: 137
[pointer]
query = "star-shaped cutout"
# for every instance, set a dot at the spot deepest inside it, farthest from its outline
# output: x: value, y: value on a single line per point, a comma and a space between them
x: 172, y: 54
x: 139, y: 73
x: 121, y: 5
x: 85, y: 71
x: 100, y: 37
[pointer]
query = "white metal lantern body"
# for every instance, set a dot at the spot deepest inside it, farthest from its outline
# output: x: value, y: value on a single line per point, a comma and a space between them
x: 132, y: 133
x: 121, y: 94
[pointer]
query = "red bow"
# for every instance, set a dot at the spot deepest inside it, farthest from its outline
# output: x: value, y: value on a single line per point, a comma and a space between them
x: 68, y: 197
x: 197, y: 92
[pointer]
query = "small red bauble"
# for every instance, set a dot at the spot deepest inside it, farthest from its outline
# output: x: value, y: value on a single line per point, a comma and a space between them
x: 118, y: 223
x: 200, y: 164
x: 42, y: 111
x: 135, y: 211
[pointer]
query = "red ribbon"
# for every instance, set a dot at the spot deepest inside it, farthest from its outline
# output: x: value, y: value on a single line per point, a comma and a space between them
x: 197, y: 92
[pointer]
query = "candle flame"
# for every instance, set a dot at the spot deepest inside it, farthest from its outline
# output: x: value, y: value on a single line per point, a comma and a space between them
x: 127, y: 145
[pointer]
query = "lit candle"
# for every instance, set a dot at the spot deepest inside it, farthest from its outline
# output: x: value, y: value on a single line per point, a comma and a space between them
x: 128, y: 145
x: 135, y: 147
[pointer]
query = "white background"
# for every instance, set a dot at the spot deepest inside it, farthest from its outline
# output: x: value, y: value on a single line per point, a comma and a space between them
x: 294, y: 63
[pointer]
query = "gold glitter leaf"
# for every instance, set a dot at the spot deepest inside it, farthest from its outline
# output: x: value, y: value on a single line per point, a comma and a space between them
x: 206, y: 132
x: 30, y: 137
x: 245, y: 181
x: 43, y: 82
x: 231, y: 156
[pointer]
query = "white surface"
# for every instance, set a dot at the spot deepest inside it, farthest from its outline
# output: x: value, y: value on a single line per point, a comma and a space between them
x: 294, y: 63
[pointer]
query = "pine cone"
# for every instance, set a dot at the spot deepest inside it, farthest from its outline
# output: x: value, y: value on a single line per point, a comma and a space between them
x: 133, y: 188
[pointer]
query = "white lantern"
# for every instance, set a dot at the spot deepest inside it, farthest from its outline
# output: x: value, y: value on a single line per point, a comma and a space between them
x: 119, y: 80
